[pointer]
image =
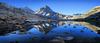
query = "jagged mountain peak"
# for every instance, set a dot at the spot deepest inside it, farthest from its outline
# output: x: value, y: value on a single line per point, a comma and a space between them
x: 46, y: 9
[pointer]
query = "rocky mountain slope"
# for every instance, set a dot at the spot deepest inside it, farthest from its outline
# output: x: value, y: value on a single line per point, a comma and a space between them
x: 12, y: 18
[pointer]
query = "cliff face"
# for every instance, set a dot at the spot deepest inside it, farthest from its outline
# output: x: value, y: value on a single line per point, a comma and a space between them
x: 94, y: 19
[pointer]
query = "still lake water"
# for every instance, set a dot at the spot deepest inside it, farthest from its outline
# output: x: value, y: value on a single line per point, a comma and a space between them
x: 66, y: 31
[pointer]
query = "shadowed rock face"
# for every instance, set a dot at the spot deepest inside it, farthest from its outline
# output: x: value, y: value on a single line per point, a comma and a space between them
x: 94, y: 19
x: 6, y: 27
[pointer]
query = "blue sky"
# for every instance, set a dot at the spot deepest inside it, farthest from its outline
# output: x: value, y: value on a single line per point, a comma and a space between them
x: 67, y: 7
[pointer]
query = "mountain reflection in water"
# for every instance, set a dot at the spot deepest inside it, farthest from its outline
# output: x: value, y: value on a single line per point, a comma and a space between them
x: 65, y: 31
